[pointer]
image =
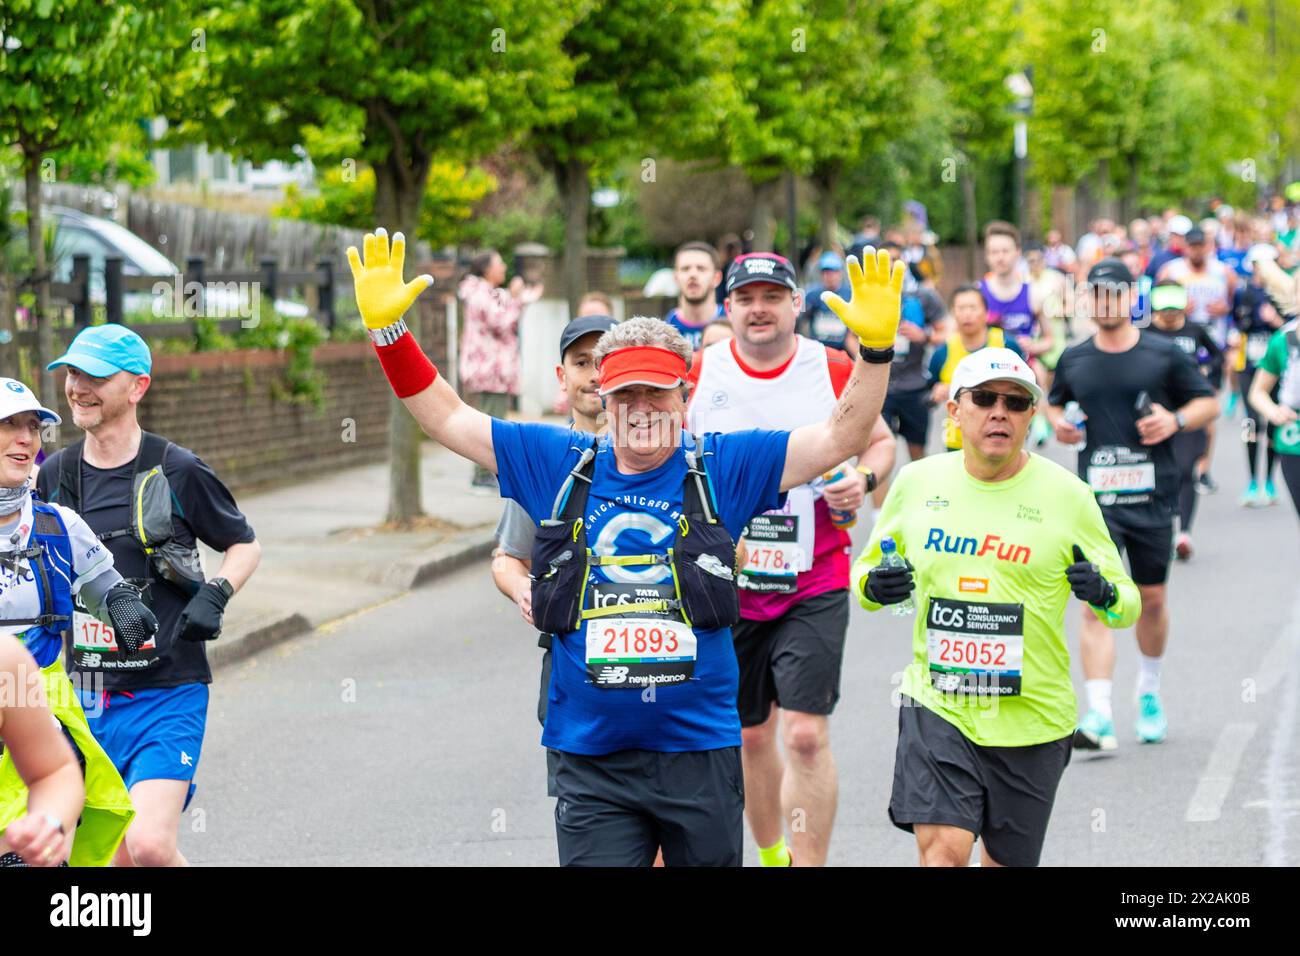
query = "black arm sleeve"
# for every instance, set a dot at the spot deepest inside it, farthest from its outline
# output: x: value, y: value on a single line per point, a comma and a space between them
x: 1214, y: 369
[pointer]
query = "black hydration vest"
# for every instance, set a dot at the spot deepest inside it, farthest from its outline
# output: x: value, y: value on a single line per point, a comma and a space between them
x: 702, y: 557
x: 152, y: 507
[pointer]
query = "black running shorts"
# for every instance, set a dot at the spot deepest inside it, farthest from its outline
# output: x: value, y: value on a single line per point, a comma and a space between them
x: 618, y: 809
x: 794, y: 660
x: 1003, y: 795
x: 1149, y: 547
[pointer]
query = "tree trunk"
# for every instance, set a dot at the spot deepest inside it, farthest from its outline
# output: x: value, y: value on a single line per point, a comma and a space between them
x: 574, y: 181
x: 970, y: 220
x: 1063, y: 213
x: 8, y: 326
x: 827, y: 222
x: 40, y: 269
x: 1105, y: 194
x: 764, y: 221
x: 397, y: 208
x: 1132, y: 196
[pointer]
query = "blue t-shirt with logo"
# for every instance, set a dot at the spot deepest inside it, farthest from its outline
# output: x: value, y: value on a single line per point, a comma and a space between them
x: 693, y: 334
x: 637, y: 514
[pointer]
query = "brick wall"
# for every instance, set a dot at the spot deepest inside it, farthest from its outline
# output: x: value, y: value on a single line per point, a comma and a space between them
x: 221, y: 405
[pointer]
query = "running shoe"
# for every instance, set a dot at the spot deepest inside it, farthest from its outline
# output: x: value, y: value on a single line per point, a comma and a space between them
x: 1095, y: 732
x: 1205, y: 484
x: 1230, y: 409
x: 1270, y: 494
x: 1151, y: 724
x: 1250, y: 497
x: 1183, y: 546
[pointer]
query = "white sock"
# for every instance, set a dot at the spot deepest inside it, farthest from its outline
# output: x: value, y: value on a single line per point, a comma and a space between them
x: 1149, y: 674
x: 1099, y: 696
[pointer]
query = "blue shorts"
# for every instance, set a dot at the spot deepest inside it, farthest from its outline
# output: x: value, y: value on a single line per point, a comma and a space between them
x: 152, y: 734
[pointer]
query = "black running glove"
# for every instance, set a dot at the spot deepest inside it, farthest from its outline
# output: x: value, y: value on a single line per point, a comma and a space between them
x: 889, y: 585
x: 1087, y: 583
x: 201, y: 619
x: 132, y: 621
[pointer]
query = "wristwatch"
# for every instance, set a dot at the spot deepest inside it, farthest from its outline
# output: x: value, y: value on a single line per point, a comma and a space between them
x: 224, y: 586
x: 1182, y: 422
x: 389, y: 333
x: 876, y: 356
x: 871, y: 477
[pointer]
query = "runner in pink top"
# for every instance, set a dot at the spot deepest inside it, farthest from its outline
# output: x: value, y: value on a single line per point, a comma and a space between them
x: 794, y: 582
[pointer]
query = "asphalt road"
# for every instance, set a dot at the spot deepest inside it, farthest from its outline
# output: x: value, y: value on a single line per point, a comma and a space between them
x: 407, y: 733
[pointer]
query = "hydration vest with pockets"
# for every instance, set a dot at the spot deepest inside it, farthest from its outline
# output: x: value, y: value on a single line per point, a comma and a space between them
x: 49, y: 557
x: 153, y: 504
x: 702, y: 557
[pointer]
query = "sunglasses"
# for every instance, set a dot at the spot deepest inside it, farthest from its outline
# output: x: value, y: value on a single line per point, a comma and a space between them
x: 987, y: 398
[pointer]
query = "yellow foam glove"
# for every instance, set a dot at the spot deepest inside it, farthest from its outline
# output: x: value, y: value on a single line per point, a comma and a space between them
x: 875, y: 303
x: 382, y: 296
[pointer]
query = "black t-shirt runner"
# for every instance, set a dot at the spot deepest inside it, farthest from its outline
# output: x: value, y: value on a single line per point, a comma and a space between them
x: 206, y: 511
x: 1138, y: 481
x: 1198, y: 344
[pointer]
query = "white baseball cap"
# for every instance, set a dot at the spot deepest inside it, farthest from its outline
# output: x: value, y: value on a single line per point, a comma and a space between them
x: 994, y: 365
x: 16, y: 397
x: 1179, y: 226
x: 1260, y: 250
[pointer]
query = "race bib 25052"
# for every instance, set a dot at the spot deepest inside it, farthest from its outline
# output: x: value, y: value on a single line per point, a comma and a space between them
x: 975, y: 648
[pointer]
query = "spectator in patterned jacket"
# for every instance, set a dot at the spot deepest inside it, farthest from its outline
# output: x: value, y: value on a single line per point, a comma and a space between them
x: 489, y: 345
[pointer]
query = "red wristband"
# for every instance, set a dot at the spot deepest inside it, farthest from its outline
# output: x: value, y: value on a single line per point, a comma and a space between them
x: 408, y: 369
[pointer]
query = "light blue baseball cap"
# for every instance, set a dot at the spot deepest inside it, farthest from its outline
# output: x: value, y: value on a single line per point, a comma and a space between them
x: 103, y: 350
x: 830, y: 260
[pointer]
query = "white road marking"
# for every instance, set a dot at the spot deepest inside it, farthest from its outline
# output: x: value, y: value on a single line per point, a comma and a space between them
x: 1212, y: 789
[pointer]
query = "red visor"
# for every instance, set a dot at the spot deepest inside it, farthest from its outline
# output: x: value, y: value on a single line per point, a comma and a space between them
x: 641, y: 365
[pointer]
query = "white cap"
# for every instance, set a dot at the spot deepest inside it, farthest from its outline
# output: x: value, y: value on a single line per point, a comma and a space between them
x: 1179, y: 226
x: 1260, y: 250
x: 16, y: 397
x: 994, y: 365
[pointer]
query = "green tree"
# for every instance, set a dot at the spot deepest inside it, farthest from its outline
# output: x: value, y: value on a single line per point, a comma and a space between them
x: 347, y: 200
x: 71, y: 71
x: 641, y: 74
x: 816, y: 83
x: 1205, y: 122
x: 972, y: 49
x: 389, y: 86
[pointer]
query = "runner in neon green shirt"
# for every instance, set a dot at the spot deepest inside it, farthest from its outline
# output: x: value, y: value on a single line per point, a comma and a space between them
x: 990, y: 533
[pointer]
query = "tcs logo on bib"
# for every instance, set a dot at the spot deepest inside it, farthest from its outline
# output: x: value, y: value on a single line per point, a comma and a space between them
x: 947, y: 616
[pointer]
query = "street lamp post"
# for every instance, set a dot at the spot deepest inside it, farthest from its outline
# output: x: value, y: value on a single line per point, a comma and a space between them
x: 1022, y: 89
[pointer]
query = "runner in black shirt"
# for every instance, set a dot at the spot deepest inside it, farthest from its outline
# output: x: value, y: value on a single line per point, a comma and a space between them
x: 1130, y: 466
x: 151, y: 718
x: 1169, y: 321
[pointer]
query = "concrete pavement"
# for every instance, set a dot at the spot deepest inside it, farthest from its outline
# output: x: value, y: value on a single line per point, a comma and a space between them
x: 322, y: 557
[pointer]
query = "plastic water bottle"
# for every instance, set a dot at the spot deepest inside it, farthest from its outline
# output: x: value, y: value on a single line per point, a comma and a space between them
x: 890, y: 558
x: 841, y: 519
x: 1074, y: 415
